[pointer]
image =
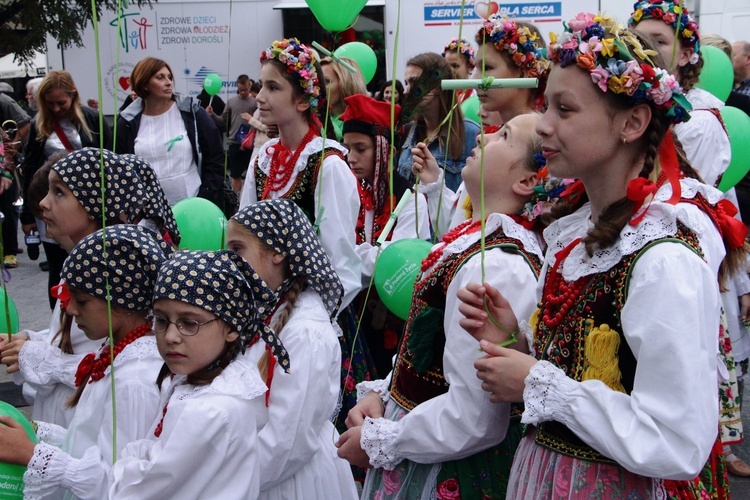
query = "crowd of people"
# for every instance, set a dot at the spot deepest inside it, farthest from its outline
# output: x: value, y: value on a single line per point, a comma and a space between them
x: 577, y: 330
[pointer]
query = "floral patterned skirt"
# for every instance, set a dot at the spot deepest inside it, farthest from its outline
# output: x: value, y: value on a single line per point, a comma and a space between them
x: 481, y: 476
x: 540, y: 473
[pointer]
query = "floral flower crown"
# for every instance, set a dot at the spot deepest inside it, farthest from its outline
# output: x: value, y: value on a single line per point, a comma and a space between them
x: 546, y: 193
x: 614, y: 68
x: 672, y: 13
x: 300, y: 64
x: 464, y: 48
x: 518, y: 41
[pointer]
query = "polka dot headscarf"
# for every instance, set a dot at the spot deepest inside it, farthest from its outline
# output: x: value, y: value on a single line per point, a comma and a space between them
x: 134, y: 256
x: 224, y: 284
x: 157, y: 206
x: 124, y: 192
x: 282, y: 225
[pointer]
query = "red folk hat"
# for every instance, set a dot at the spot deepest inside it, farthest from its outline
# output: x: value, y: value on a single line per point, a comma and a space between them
x: 368, y: 116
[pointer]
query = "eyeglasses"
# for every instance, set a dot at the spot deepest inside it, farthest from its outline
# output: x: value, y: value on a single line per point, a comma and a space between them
x: 186, y: 327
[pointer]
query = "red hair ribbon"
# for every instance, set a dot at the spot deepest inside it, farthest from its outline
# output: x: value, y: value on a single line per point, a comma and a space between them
x: 638, y: 190
x: 670, y: 166
x: 732, y: 230
x: 573, y: 192
x: 61, y: 293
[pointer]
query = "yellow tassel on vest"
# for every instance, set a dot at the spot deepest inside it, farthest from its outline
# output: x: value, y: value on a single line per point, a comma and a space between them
x: 468, y: 207
x: 602, y: 344
x: 534, y: 321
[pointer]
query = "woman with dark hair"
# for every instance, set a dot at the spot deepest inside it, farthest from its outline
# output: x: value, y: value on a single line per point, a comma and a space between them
x: 384, y: 94
x: 450, y: 142
x: 174, y: 134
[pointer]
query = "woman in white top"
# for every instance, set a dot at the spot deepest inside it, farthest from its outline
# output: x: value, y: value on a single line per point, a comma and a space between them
x: 174, y: 134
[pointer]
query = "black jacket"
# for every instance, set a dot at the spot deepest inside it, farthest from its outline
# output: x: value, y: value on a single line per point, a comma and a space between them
x: 35, y: 157
x: 208, y: 149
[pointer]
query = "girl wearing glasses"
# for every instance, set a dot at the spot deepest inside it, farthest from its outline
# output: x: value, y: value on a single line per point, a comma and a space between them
x: 295, y: 432
x: 207, y: 307
x: 79, y: 458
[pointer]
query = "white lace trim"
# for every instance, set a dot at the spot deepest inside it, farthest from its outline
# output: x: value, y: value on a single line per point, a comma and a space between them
x: 545, y: 389
x: 50, y: 433
x: 142, y: 348
x: 31, y: 361
x: 312, y: 147
x: 528, y: 333
x: 240, y: 379
x: 660, y: 221
x: 42, y: 473
x: 378, y: 436
x: 367, y: 386
x: 494, y: 222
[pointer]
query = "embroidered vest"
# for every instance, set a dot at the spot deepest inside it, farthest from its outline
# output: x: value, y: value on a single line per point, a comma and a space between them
x: 302, y: 191
x: 596, y: 313
x: 418, y: 373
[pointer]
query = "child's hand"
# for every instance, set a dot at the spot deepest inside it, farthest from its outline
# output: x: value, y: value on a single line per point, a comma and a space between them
x: 15, y: 336
x: 503, y: 372
x: 10, y: 354
x: 15, y: 445
x: 246, y: 116
x: 424, y: 164
x: 349, y: 448
x: 476, y: 320
x: 370, y: 406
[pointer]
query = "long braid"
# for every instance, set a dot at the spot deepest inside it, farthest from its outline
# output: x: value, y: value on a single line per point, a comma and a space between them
x: 291, y: 300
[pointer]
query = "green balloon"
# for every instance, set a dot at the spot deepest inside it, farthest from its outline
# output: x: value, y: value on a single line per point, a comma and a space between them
x: 212, y: 84
x: 4, y: 317
x: 335, y: 15
x: 202, y: 224
x: 738, y: 128
x: 470, y: 109
x: 717, y: 74
x: 363, y: 55
x: 396, y: 272
x: 11, y: 476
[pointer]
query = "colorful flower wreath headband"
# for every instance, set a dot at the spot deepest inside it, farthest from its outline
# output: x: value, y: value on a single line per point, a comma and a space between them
x: 546, y: 193
x: 672, y: 13
x: 518, y: 41
x: 614, y: 68
x: 464, y: 48
x: 300, y: 64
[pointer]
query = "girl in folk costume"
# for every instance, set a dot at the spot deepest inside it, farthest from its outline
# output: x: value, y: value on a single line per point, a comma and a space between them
x: 626, y: 332
x: 462, y: 60
x: 367, y: 135
x: 506, y: 50
x: 704, y: 138
x: 433, y: 431
x: 207, y: 307
x: 295, y: 434
x: 46, y: 361
x: 120, y: 262
x: 291, y: 166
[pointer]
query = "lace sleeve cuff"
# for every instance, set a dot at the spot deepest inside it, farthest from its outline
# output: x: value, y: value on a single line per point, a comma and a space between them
x: 545, y: 393
x: 52, y: 434
x: 378, y: 438
x: 366, y: 387
x: 45, y: 471
x: 433, y: 188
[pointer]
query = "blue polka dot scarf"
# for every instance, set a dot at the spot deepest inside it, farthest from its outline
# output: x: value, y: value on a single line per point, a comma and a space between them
x: 224, y: 284
x: 282, y: 225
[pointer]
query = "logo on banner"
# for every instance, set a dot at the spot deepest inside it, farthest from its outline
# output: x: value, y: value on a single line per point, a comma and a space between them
x: 118, y: 82
x: 134, y: 29
x: 442, y: 12
x: 196, y: 79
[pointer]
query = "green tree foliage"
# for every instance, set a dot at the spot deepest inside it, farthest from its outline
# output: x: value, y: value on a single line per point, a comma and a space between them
x: 24, y: 24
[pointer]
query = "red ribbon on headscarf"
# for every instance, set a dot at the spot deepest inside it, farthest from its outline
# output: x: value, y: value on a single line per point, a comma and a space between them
x: 61, y: 293
x: 638, y: 190
x: 732, y: 230
x: 670, y: 166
